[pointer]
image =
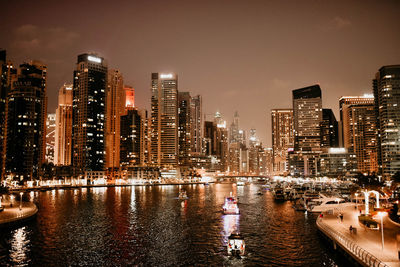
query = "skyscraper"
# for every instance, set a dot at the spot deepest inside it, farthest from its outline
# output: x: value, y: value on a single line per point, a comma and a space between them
x: 329, y: 129
x: 63, y: 134
x: 26, y: 122
x: 234, y: 129
x: 282, y: 137
x: 115, y: 107
x: 7, y: 71
x: 196, y: 114
x: 164, y: 119
x: 307, y: 114
x: 386, y: 86
x: 360, y: 131
x: 50, y: 137
x: 184, y: 127
x: 131, y: 124
x: 345, y: 103
x: 89, y: 113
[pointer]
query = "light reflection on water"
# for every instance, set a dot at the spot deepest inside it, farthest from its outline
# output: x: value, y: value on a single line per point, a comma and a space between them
x: 148, y: 225
x: 19, y: 246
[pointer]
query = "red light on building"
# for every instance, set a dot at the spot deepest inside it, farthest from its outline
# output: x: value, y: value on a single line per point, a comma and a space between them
x: 130, y: 96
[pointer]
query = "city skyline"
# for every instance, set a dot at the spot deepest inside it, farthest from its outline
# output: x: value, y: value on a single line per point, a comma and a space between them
x: 221, y: 57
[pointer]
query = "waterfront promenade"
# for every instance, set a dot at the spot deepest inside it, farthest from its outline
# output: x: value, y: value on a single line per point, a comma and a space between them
x: 13, y: 213
x: 364, y: 245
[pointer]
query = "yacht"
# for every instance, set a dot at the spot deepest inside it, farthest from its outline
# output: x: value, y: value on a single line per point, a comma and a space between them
x: 236, y: 245
x: 230, y: 205
x: 323, y: 204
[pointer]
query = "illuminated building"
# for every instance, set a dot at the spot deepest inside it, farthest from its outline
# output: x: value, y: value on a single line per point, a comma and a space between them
x: 253, y: 152
x: 337, y: 162
x: 345, y: 103
x: 50, y: 137
x: 115, y: 107
x: 307, y: 115
x: 329, y: 129
x: 129, y: 96
x: 130, y: 151
x: 386, y: 87
x: 89, y: 113
x: 265, y: 160
x: 26, y: 122
x: 7, y: 72
x: 164, y: 120
x: 359, y: 130
x: 184, y: 128
x: 63, y: 132
x: 234, y: 129
x: 196, y: 114
x: 282, y: 138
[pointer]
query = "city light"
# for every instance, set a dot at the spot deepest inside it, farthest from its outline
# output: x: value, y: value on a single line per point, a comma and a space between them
x: 94, y: 59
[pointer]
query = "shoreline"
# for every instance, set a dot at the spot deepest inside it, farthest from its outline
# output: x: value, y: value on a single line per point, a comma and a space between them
x: 48, y: 188
x: 13, y: 215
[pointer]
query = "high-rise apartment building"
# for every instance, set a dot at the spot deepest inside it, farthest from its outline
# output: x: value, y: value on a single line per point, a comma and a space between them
x: 196, y: 114
x: 130, y: 151
x: 345, y: 103
x: 386, y: 87
x: 50, y: 137
x: 7, y: 72
x: 63, y: 131
x: 363, y: 137
x: 307, y: 115
x: 89, y: 113
x: 26, y: 122
x: 164, y: 119
x: 282, y: 137
x: 329, y: 129
x: 184, y: 127
x: 115, y: 107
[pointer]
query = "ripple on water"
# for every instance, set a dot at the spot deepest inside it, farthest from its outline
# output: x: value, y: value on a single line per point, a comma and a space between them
x: 149, y: 226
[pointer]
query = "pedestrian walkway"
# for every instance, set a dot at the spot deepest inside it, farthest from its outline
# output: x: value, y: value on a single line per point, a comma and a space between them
x: 367, y: 239
x: 13, y: 213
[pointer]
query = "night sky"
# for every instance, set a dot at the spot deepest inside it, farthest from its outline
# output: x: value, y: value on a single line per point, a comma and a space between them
x: 239, y: 55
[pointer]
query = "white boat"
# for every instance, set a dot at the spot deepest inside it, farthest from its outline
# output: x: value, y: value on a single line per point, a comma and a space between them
x: 236, y: 245
x: 230, y: 205
x: 240, y: 183
x: 324, y: 204
x: 182, y: 195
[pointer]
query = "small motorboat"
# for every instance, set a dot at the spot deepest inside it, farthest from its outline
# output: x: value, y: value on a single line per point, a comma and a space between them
x: 236, y: 245
x: 240, y: 183
x: 230, y: 206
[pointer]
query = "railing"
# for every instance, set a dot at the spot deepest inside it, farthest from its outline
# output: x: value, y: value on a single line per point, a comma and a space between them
x: 363, y: 255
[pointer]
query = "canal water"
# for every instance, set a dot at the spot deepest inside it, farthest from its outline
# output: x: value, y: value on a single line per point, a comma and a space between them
x: 149, y: 226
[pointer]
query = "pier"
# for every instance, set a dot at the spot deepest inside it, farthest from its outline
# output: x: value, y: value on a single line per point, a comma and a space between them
x: 363, y: 245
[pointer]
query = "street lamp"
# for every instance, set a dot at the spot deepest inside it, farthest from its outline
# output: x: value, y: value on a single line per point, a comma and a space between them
x: 381, y: 214
x: 20, y: 200
x: 356, y: 200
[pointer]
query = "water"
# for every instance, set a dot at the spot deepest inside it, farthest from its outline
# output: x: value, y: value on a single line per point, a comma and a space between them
x: 148, y: 226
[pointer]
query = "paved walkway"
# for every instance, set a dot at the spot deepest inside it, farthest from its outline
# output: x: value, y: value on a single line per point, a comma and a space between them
x: 369, y: 240
x: 13, y: 213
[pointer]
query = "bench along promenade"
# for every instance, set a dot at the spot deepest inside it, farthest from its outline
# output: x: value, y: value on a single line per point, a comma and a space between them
x: 362, y: 244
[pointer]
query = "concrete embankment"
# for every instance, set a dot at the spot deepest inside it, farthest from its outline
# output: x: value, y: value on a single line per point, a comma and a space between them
x: 362, y: 245
x: 16, y: 213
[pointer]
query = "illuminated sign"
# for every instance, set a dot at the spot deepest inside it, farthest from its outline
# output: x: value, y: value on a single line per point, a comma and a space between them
x: 337, y: 150
x: 94, y: 59
x: 166, y: 76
